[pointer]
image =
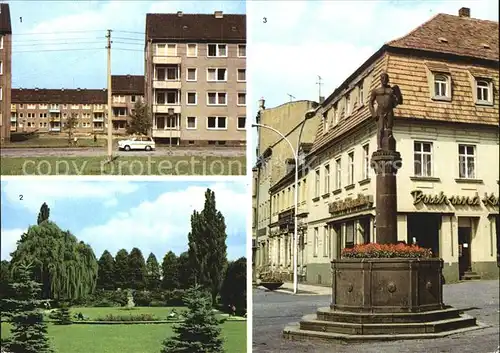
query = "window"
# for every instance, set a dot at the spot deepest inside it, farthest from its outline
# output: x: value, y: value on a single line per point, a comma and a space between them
x: 31, y: 106
x: 191, y: 98
x: 324, y: 117
x: 242, y: 50
x: 191, y: 74
x: 325, y: 241
x: 242, y: 98
x: 216, y: 75
x: 191, y: 123
x: 87, y: 106
x: 316, y: 231
x: 1, y: 94
x: 242, y: 75
x: 172, y: 97
x: 338, y: 173
x: 316, y: 183
x: 1, y: 42
x: 350, y: 170
x: 171, y: 49
x: 116, y: 99
x: 216, y: 98
x: 216, y: 123
x: 348, y: 105
x: 366, y: 161
x: 467, y: 161
x: 441, y: 89
x: 349, y: 234
x: 242, y: 121
x: 132, y: 99
x: 75, y: 106
x: 192, y: 50
x: 327, y: 178
x: 172, y: 73
x: 335, y: 115
x: 422, y: 152
x: 217, y: 50
x: 1, y: 68
x: 483, y: 91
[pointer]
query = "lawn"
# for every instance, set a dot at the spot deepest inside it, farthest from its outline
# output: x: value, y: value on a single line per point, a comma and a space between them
x: 56, y: 143
x: 138, y: 338
x: 148, y: 165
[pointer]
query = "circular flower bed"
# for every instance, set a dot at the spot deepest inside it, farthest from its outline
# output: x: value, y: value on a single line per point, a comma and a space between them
x: 374, y: 250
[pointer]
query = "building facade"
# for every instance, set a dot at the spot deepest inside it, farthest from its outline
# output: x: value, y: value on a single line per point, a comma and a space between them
x: 127, y: 90
x: 195, y: 69
x: 447, y: 133
x: 275, y: 160
x: 5, y: 72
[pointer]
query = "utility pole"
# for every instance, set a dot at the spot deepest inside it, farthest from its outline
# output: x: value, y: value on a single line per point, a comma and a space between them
x: 110, y: 120
x: 319, y: 83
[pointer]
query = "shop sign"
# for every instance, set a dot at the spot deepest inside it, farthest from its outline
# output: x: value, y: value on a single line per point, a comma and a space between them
x: 286, y: 218
x: 441, y: 199
x: 350, y: 204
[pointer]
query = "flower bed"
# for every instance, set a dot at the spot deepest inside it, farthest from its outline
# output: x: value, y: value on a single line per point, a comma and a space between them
x: 374, y: 250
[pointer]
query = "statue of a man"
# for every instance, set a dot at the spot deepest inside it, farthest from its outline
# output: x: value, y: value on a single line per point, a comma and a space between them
x: 387, y: 99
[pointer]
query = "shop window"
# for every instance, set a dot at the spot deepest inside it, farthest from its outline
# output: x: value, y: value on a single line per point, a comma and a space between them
x: 349, y: 234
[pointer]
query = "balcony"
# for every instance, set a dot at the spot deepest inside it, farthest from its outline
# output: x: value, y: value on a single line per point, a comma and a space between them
x: 13, y: 108
x: 54, y: 110
x: 55, y: 118
x: 167, y: 84
x: 55, y: 129
x: 167, y: 133
x: 98, y: 109
x: 163, y: 108
x: 118, y: 117
x: 166, y: 59
x: 13, y: 119
x: 98, y: 118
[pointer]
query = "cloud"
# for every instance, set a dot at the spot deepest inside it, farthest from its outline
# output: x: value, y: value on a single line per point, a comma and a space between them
x: 162, y: 224
x: 35, y: 192
x: 9, y: 238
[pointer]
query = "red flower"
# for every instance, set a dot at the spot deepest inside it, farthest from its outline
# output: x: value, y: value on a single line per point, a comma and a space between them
x: 374, y: 250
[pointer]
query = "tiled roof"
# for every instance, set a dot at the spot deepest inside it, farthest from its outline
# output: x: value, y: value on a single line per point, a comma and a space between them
x: 196, y: 27
x: 59, y: 96
x: 127, y: 84
x: 454, y: 35
x: 5, y: 27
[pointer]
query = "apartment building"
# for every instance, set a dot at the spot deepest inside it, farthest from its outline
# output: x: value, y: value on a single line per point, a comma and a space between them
x: 447, y: 133
x: 5, y: 72
x: 195, y: 70
x: 127, y: 90
x: 275, y: 160
x: 45, y: 110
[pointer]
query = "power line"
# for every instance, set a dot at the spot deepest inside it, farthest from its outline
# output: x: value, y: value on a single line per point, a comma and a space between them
x: 46, y: 50
x: 129, y: 32
x: 133, y: 39
x: 50, y: 43
x: 141, y: 44
x: 142, y: 51
x: 35, y: 34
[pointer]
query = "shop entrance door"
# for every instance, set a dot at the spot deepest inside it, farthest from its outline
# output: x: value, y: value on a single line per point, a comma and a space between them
x: 464, y: 251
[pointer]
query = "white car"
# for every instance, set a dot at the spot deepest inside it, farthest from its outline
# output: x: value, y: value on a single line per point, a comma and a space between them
x: 137, y: 143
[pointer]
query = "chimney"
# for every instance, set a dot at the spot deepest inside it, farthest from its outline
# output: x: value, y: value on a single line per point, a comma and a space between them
x: 218, y: 14
x: 262, y: 103
x: 321, y: 99
x: 179, y: 13
x: 464, y: 12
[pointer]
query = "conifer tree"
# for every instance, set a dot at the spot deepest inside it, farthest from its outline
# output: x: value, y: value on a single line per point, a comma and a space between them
x: 106, y: 273
x: 44, y: 213
x: 200, y: 331
x: 29, y: 331
x: 153, y: 272
x: 63, y: 316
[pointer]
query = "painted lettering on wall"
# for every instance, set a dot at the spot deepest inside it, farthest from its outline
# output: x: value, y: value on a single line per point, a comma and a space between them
x: 441, y: 199
x: 350, y: 204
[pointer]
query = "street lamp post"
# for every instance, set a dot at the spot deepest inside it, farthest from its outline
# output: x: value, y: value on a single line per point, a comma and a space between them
x: 296, y: 201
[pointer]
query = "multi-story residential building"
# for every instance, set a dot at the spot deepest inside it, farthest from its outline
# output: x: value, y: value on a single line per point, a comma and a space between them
x: 127, y: 90
x: 447, y: 133
x: 45, y: 110
x: 275, y: 160
x: 5, y: 72
x: 195, y: 70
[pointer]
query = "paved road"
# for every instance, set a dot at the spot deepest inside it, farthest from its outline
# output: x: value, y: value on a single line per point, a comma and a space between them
x: 273, y: 311
x: 94, y: 152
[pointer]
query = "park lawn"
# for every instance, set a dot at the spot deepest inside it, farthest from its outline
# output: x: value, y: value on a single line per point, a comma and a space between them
x: 124, y: 165
x: 94, y: 312
x: 128, y: 338
x: 56, y: 143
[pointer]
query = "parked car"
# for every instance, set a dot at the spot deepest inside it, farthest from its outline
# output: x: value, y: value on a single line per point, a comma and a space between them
x: 137, y: 143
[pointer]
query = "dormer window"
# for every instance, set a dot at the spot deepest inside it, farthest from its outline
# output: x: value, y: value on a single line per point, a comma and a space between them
x: 325, y: 122
x: 441, y: 86
x: 484, y: 91
x: 348, y: 105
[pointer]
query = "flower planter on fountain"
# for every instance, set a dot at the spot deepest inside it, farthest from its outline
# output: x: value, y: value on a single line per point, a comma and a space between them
x: 272, y: 286
x: 382, y: 292
x: 270, y: 281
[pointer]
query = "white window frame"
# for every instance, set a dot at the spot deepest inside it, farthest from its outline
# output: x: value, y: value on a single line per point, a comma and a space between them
x: 361, y: 94
x: 465, y: 155
x: 326, y: 178
x: 217, y: 74
x: 217, y: 55
x: 1, y: 67
x: 216, y: 99
x: 75, y: 106
x: 239, y: 51
x: 445, y: 83
x: 166, y: 49
x: 195, y: 123
x: 237, y: 75
x: 348, y: 106
x: 350, y: 168
x: 195, y: 50
x: 325, y: 241
x: 317, y: 182
x: 238, y: 122
x: 315, y: 241
x: 238, y: 99
x: 488, y: 88
x: 418, y: 156
x: 1, y: 94
x: 366, y: 161
x: 195, y: 98
x: 338, y: 173
x: 217, y: 122
x: 1, y: 41
x: 195, y: 74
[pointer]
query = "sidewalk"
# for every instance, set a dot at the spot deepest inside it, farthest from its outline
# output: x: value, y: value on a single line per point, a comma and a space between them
x: 303, y: 289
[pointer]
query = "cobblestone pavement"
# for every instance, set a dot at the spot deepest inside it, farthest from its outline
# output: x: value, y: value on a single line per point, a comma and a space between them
x: 95, y: 152
x: 273, y: 311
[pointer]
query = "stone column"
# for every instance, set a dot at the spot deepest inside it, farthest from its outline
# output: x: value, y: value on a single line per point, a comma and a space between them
x: 386, y: 163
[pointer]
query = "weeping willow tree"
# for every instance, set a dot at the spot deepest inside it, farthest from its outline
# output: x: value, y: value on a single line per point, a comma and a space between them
x: 66, y: 268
